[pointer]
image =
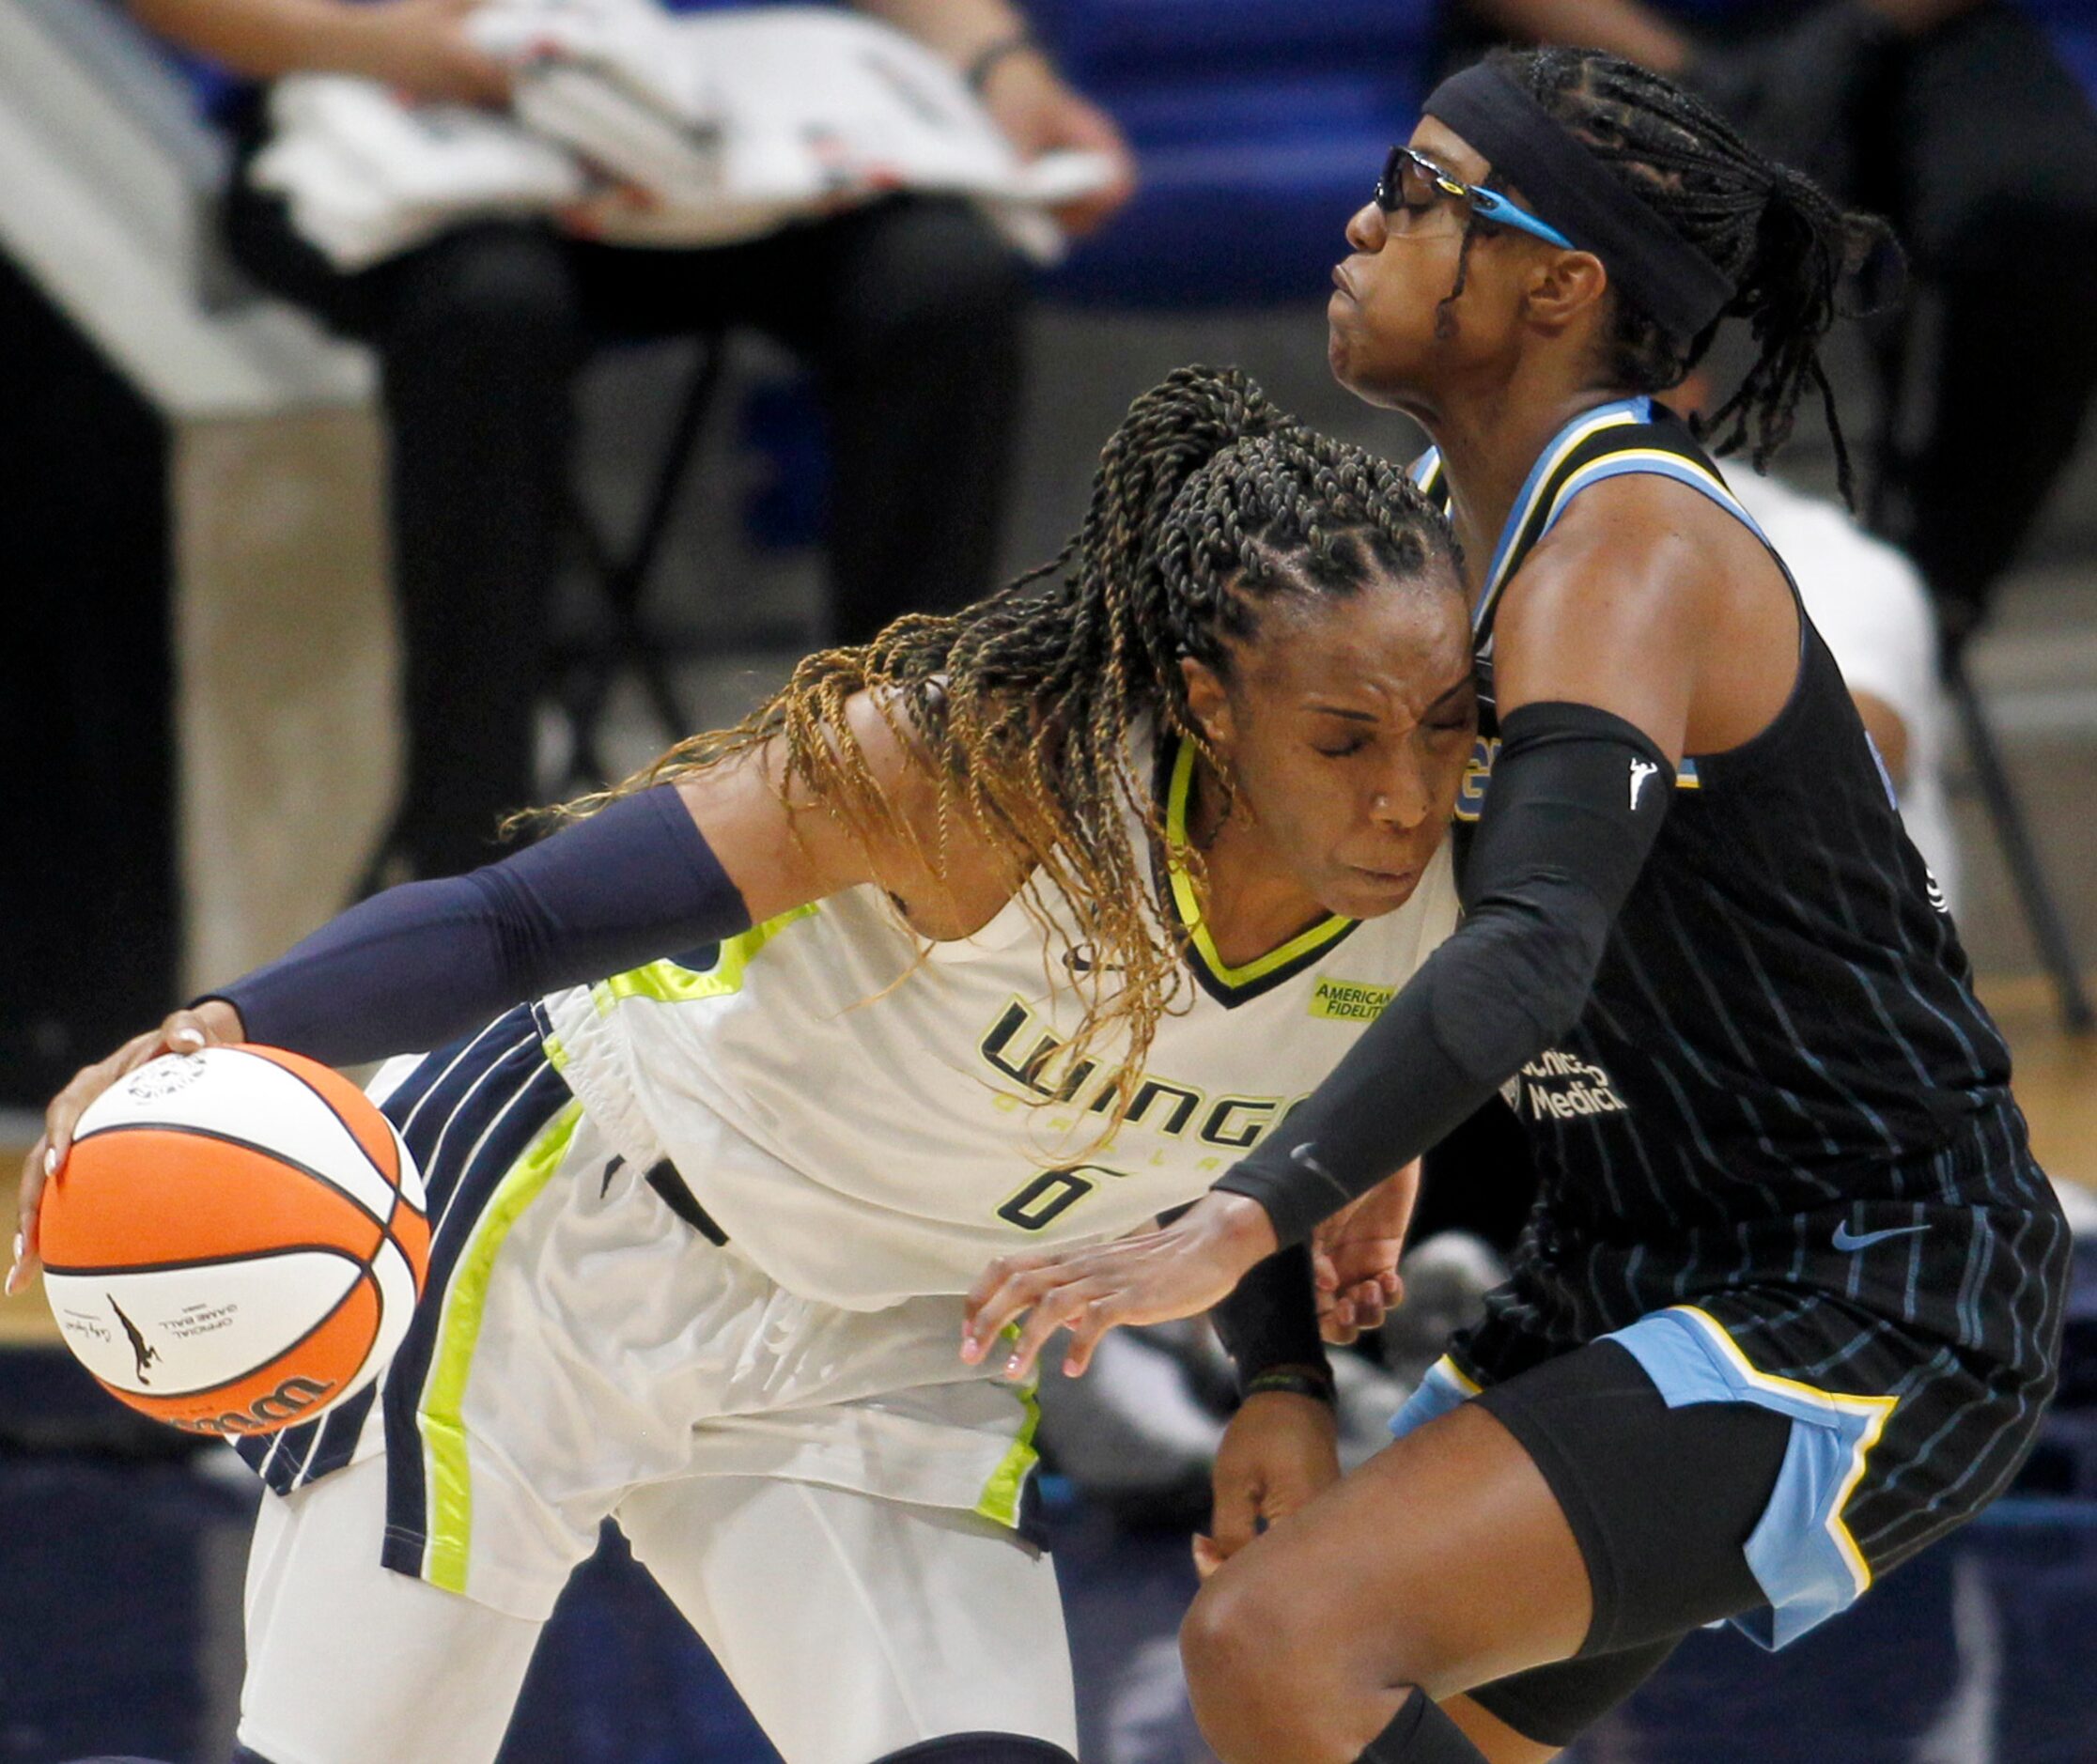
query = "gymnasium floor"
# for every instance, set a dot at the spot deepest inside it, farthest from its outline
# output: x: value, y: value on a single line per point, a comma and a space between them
x: 119, y: 1571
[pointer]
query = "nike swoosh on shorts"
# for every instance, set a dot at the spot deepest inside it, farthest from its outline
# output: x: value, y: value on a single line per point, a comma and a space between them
x: 1846, y: 1239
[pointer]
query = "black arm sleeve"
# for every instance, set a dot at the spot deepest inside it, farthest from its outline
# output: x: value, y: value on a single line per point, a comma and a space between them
x: 1575, y: 801
x: 1271, y: 1319
x: 416, y: 966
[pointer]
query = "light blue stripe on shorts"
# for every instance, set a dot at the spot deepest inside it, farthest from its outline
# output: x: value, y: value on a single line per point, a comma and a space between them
x: 1800, y: 1553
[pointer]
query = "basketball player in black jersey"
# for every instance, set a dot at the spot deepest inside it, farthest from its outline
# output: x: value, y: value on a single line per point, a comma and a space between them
x: 1788, y: 1305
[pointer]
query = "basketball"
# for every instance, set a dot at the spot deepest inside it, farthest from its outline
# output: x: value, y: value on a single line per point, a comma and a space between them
x: 236, y: 1240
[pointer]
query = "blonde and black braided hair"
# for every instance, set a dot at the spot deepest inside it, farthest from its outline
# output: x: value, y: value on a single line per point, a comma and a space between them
x: 1208, y: 501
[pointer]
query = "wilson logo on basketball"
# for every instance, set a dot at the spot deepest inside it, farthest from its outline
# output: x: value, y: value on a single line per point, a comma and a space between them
x: 286, y: 1402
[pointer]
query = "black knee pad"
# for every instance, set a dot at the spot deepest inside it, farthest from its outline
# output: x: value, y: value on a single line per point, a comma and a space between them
x: 980, y: 1748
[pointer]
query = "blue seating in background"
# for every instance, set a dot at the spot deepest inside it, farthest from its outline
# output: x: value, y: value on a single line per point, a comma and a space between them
x: 2072, y: 26
x: 1259, y: 126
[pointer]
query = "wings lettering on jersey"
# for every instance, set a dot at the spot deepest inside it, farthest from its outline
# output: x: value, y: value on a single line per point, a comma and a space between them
x: 1223, y: 1127
x: 1235, y: 1122
x: 1008, y: 1031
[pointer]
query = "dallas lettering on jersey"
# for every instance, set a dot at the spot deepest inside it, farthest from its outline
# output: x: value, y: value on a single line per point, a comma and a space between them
x: 1558, y: 1085
x: 1020, y: 1046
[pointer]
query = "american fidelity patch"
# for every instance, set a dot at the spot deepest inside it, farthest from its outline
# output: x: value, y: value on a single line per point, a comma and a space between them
x: 1349, y: 1000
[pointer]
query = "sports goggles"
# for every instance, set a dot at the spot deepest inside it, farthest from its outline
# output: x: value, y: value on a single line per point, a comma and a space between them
x: 1411, y: 180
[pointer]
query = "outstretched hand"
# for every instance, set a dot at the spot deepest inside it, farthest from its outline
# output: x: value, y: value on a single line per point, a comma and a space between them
x: 1177, y: 1271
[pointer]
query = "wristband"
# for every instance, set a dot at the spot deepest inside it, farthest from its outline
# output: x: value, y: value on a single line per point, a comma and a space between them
x: 1269, y: 1323
x: 983, y: 63
x: 1292, y: 1380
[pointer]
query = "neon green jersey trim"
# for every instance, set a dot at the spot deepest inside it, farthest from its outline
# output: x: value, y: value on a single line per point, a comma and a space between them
x: 668, y: 984
x: 1001, y: 1494
x: 1179, y: 797
x: 443, y: 1430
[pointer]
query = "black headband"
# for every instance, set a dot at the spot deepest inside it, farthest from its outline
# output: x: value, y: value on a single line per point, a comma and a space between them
x: 1659, y: 270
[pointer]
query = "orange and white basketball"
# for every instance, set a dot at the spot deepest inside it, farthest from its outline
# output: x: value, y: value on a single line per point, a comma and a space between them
x: 236, y: 1240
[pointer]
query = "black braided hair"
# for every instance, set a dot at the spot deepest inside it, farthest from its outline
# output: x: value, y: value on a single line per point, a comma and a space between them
x: 1789, y: 248
x: 1209, y: 505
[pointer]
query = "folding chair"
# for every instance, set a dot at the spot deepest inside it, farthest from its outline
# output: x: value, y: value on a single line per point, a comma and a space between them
x: 581, y: 675
x: 2006, y: 812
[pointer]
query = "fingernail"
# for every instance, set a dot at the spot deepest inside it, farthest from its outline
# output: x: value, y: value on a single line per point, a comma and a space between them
x: 1012, y: 1366
x: 187, y: 1038
x: 50, y: 1160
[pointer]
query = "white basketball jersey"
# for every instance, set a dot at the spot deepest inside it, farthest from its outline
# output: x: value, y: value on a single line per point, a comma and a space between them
x: 869, y: 1121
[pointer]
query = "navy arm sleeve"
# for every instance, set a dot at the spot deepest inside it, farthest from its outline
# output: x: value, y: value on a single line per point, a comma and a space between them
x: 419, y: 965
x: 1575, y: 802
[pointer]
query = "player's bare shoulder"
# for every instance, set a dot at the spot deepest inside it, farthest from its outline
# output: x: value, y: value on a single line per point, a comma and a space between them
x: 1650, y: 600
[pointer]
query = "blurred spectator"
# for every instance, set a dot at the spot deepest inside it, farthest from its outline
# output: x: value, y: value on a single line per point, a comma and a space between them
x: 1959, y: 121
x: 908, y: 310
x: 1868, y: 601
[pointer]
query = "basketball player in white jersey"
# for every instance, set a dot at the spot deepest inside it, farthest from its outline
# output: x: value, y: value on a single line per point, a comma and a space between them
x: 1010, y: 928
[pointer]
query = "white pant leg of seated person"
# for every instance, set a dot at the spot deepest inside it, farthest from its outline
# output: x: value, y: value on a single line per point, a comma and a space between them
x: 854, y: 1626
x: 348, y: 1662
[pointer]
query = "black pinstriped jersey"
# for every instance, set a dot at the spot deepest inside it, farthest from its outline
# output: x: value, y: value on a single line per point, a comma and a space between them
x: 1782, y: 1063
x: 1783, y: 1102
x: 1784, y: 1018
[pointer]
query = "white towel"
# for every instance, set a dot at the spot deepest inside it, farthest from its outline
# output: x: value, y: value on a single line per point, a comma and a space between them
x: 641, y: 129
x: 367, y: 177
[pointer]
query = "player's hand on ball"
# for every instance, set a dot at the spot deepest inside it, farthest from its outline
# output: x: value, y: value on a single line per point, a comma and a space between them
x: 184, y: 1031
x: 1280, y: 1451
x: 1154, y: 1277
x: 1354, y: 1258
